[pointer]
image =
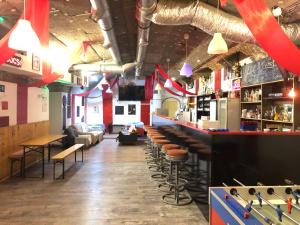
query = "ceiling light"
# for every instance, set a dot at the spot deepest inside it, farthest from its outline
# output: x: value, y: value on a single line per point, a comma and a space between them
x: 217, y: 45
x: 23, y: 37
x: 277, y: 11
x: 168, y: 83
x: 186, y: 69
x: 157, y: 87
x: 99, y: 86
x: 292, y: 93
x: 108, y: 90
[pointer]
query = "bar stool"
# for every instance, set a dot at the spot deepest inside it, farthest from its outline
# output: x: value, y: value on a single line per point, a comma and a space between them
x: 199, y: 186
x: 158, y: 143
x: 176, y: 158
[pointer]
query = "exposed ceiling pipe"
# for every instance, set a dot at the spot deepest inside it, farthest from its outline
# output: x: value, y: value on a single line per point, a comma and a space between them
x: 106, y: 27
x: 210, y: 20
x: 104, y: 68
x: 145, y: 8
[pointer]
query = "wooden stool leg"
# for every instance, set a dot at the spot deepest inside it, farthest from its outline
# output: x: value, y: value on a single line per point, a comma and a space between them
x: 11, y: 167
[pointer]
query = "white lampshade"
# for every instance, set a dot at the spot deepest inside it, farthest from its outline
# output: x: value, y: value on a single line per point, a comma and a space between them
x: 24, y: 38
x: 217, y: 45
x: 168, y: 84
x: 99, y: 86
x: 158, y: 87
x: 108, y: 90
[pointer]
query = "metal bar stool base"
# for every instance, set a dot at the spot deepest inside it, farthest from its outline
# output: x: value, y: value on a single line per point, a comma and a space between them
x: 183, y: 199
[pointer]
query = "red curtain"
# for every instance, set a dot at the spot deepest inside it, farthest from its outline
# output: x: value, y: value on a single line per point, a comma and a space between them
x: 107, y: 107
x: 174, y: 84
x: 268, y: 34
x: 149, y: 87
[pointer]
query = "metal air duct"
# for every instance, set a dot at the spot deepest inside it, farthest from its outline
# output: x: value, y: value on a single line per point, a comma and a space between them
x: 106, y: 27
x: 210, y: 20
x: 104, y: 68
x: 145, y: 9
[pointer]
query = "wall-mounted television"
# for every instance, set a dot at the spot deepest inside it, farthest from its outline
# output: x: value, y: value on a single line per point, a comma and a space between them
x: 131, y: 93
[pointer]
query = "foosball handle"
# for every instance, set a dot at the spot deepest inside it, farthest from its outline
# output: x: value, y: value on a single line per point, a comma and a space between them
x: 289, y: 182
x: 259, y: 199
x: 279, y: 213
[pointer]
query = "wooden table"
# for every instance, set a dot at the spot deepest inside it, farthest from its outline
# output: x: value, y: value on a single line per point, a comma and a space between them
x: 38, y: 145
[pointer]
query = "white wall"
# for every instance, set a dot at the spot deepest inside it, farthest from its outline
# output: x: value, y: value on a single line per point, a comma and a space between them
x: 10, y: 95
x: 38, y: 104
x: 125, y: 119
x: 95, y: 111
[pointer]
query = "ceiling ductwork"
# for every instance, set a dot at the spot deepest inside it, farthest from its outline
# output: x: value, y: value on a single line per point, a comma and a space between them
x: 210, y: 20
x: 106, y: 27
x: 104, y: 68
x: 145, y: 9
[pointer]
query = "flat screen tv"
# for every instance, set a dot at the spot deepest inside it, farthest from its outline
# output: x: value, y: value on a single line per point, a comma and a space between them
x: 131, y: 93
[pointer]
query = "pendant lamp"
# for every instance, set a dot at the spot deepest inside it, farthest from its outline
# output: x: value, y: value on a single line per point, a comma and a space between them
x: 217, y: 45
x: 186, y: 69
x: 23, y: 37
x: 108, y: 91
x: 168, y: 84
x: 157, y: 87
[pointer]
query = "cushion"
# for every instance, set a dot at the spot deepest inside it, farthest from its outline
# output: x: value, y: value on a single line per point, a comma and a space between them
x: 71, y: 132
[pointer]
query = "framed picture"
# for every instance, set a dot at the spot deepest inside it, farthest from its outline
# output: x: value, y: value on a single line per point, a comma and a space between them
x: 119, y: 110
x: 36, y: 62
x: 131, y: 110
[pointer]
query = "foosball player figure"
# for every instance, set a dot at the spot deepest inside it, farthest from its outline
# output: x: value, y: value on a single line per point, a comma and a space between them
x: 259, y: 199
x: 279, y: 213
x: 249, y: 206
x: 289, y: 205
x: 296, y: 196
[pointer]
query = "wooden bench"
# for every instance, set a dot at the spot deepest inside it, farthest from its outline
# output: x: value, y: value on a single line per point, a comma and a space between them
x: 60, y: 157
x: 14, y: 157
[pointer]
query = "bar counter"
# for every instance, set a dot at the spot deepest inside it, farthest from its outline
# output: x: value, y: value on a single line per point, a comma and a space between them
x: 249, y: 156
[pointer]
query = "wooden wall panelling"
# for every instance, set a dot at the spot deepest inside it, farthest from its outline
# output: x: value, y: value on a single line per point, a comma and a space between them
x: 11, y: 137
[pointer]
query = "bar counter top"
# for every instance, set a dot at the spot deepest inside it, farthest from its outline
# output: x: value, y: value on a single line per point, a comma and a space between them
x: 196, y: 127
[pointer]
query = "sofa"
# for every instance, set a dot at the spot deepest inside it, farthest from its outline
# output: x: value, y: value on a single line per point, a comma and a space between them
x: 73, y: 137
x: 84, y: 129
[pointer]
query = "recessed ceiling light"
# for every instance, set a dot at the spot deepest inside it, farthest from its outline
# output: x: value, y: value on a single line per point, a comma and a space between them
x: 86, y: 20
x: 66, y: 14
x: 280, y: 2
x: 13, y: 10
x: 71, y: 21
x: 53, y: 9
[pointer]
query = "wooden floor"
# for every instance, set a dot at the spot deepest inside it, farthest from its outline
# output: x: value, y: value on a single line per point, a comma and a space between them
x: 112, y: 186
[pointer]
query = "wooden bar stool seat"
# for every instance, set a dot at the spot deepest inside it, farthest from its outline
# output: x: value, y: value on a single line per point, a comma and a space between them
x: 167, y: 147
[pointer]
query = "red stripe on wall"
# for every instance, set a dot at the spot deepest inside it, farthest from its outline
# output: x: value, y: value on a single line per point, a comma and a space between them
x: 215, y: 219
x: 145, y: 112
x: 22, y: 101
x: 217, y: 80
x: 107, y: 107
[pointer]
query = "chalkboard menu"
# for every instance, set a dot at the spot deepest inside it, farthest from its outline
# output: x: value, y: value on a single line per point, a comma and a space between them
x: 262, y: 71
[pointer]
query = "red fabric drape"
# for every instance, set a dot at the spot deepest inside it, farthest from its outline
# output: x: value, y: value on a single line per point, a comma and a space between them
x: 268, y: 34
x: 175, y: 85
x: 107, y: 107
x: 149, y: 87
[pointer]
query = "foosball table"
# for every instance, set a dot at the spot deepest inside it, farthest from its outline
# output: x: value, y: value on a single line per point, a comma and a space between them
x: 255, y: 205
